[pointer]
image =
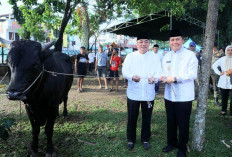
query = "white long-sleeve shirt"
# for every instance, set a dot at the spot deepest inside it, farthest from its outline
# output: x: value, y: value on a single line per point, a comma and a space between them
x: 183, y: 65
x: 224, y: 81
x: 144, y: 65
x: 91, y: 57
x: 159, y: 55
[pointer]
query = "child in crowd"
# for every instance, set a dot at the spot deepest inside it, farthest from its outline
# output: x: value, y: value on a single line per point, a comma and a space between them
x: 81, y: 68
x: 115, y: 62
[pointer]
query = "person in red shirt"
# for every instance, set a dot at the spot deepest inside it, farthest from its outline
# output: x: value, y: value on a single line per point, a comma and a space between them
x: 115, y: 62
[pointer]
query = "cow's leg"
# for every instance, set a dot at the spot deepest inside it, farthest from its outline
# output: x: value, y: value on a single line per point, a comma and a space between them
x: 65, y: 111
x: 33, y: 146
x: 49, y: 132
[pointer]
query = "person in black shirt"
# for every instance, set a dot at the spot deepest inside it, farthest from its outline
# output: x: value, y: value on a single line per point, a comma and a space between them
x: 110, y: 51
x: 81, y: 68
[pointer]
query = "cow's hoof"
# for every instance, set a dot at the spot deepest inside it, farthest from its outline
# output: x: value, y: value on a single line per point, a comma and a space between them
x: 65, y: 113
x: 51, y: 155
x: 31, y: 153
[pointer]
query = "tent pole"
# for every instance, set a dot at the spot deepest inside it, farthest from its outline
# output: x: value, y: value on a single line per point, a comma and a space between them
x: 170, y: 20
x: 218, y: 39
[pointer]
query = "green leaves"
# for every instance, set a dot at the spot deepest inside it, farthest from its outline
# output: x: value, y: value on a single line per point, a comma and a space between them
x: 5, y: 125
x: 36, y: 17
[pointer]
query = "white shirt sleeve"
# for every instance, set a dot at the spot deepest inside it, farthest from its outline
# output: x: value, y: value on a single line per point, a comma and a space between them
x: 216, y: 65
x: 126, y: 68
x: 191, y: 72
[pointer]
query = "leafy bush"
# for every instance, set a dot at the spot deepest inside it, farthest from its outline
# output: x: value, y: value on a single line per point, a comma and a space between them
x: 5, y: 125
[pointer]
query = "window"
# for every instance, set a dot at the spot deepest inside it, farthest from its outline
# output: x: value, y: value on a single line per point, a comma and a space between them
x: 11, y: 36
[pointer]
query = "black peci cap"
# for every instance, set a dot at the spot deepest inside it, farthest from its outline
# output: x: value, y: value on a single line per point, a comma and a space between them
x: 144, y: 35
x: 175, y: 33
x: 156, y: 45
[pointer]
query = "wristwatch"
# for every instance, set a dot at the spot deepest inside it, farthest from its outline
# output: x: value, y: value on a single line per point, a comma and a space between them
x: 175, y: 80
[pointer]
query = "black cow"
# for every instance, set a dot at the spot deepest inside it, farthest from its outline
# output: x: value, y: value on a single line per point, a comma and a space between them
x: 41, y: 91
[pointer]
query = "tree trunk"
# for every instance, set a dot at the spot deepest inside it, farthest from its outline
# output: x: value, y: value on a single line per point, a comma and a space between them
x: 67, y: 15
x: 27, y: 34
x: 199, y: 123
x: 85, y: 28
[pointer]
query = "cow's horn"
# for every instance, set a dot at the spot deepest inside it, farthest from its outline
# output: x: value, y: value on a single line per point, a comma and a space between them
x: 47, y: 45
x: 5, y: 42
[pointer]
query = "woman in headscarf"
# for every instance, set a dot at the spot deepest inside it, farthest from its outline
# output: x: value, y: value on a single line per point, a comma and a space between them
x: 223, y: 67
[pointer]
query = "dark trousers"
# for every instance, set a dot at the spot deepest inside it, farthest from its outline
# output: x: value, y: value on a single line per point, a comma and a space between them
x: 157, y: 86
x: 224, y: 95
x: 133, y: 113
x: 91, y: 66
x: 215, y: 79
x: 178, y: 116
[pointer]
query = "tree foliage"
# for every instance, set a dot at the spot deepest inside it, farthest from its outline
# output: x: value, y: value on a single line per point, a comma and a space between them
x: 5, y: 125
x: 34, y: 17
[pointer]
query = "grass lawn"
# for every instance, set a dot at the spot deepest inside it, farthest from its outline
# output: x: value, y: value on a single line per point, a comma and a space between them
x: 99, y: 129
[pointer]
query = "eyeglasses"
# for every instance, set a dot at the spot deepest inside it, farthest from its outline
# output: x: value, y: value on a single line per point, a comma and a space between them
x: 145, y: 41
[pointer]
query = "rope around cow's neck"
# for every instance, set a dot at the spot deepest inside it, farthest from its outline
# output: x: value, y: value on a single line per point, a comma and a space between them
x: 34, y: 81
x: 3, y: 77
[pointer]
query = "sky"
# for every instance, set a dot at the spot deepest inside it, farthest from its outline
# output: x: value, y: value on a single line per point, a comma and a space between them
x: 5, y: 8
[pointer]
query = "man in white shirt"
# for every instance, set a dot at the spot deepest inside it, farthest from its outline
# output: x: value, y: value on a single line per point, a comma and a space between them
x: 179, y: 72
x: 91, y: 57
x: 156, y: 49
x: 142, y: 69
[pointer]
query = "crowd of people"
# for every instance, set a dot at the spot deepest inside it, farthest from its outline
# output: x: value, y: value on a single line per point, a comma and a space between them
x: 144, y: 70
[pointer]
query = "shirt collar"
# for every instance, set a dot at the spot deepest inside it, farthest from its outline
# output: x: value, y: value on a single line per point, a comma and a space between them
x: 141, y: 53
x: 181, y: 49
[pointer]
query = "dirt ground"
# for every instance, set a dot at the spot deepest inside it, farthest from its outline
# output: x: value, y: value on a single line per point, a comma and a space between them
x: 93, y: 95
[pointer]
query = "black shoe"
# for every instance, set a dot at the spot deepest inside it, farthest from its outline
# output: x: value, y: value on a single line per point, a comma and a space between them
x: 222, y: 113
x: 168, y: 148
x: 130, y: 145
x: 181, y: 153
x: 146, y: 145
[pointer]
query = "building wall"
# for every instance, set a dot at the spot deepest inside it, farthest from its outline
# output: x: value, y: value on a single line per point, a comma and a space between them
x: 9, y: 27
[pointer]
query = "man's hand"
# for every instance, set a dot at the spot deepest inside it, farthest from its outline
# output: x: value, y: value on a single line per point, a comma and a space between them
x: 151, y: 80
x: 163, y: 79
x: 170, y: 79
x: 222, y: 73
x: 136, y: 78
x: 228, y: 73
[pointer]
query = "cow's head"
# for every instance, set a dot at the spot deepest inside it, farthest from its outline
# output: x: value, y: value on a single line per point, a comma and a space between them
x: 25, y: 59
